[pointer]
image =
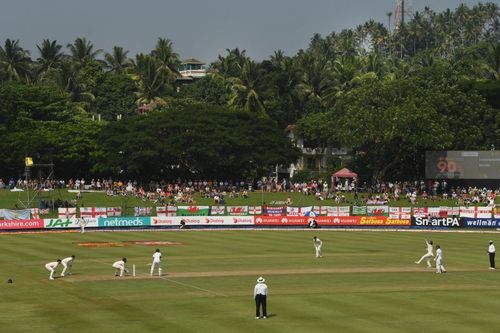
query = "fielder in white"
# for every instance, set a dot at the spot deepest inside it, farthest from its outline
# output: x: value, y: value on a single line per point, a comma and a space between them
x: 119, y: 267
x: 318, y: 244
x: 67, y: 265
x: 439, y: 260
x: 156, y: 262
x: 51, y: 267
x: 83, y: 224
x: 428, y: 255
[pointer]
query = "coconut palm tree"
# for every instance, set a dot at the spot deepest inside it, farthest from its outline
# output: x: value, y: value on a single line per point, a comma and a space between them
x: 82, y: 51
x: 244, y: 89
x: 117, y: 61
x: 14, y: 61
x: 151, y: 83
x: 50, y: 57
x: 166, y: 59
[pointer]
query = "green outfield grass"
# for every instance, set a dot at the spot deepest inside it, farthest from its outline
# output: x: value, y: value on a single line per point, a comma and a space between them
x: 11, y: 199
x: 366, y: 282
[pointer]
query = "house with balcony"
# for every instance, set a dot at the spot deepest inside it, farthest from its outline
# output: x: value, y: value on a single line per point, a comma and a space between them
x: 190, y: 70
x: 316, y: 159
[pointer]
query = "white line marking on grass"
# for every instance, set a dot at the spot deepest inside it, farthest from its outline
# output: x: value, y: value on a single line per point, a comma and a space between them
x: 193, y: 286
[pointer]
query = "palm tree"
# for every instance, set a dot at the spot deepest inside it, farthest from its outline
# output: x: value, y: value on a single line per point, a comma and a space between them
x: 167, y: 60
x: 14, y: 60
x: 50, y: 57
x: 82, y: 51
x: 68, y: 78
x: 389, y: 14
x: 150, y: 82
x: 117, y: 60
x: 492, y: 61
x: 244, y: 89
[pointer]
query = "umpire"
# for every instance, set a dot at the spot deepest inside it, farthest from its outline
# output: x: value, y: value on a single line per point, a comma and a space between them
x: 260, y: 296
x: 491, y: 253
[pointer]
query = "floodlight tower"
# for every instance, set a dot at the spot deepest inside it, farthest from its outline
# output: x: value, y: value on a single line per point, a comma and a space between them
x: 402, y: 9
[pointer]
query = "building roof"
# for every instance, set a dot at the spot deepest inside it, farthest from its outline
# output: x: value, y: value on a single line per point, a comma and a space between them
x: 192, y: 61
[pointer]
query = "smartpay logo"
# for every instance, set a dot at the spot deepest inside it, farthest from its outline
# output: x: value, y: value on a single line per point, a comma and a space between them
x: 436, y: 221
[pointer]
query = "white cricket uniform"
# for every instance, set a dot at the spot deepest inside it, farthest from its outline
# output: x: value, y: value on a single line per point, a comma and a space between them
x: 51, y: 266
x: 119, y: 266
x: 83, y: 223
x: 156, y: 263
x: 439, y: 261
x: 67, y: 265
x: 428, y: 255
x: 318, y: 244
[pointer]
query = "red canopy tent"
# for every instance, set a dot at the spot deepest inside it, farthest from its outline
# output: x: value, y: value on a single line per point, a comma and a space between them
x: 343, y: 173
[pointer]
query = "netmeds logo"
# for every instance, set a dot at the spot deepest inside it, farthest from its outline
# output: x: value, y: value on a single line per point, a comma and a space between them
x: 124, y: 221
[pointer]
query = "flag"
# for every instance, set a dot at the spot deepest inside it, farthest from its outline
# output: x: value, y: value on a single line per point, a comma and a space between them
x: 114, y: 211
x: 377, y: 210
x: 193, y: 210
x: 420, y: 212
x: 15, y: 214
x: 443, y: 211
x: 166, y: 211
x: 400, y: 213
x: 35, y: 214
x: 336, y: 210
x: 93, y: 212
x: 237, y: 210
x: 254, y: 210
x: 359, y: 210
x: 298, y: 211
x: 142, y: 211
x: 476, y: 212
x: 66, y: 213
x: 217, y: 210
x: 320, y: 210
x: 274, y: 210
x: 28, y: 161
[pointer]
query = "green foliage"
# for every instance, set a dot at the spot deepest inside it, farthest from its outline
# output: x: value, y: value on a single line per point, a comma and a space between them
x: 210, y: 89
x: 115, y: 96
x: 198, y: 141
x: 388, y: 93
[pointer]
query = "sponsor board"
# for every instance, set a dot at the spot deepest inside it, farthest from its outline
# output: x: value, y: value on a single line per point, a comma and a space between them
x: 202, y: 220
x: 89, y: 221
x: 124, y: 221
x: 61, y: 223
x: 281, y: 220
x: 331, y: 220
x: 383, y: 220
x: 338, y: 220
x: 450, y: 222
x: 21, y: 224
x: 469, y: 222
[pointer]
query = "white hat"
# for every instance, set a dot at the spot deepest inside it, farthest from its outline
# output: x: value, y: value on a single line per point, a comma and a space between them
x: 261, y: 279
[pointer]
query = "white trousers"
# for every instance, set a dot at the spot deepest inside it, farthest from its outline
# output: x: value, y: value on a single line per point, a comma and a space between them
x: 427, y: 256
x: 439, y: 266
x: 66, y: 268
x: 120, y: 268
x: 51, y: 270
x: 154, y: 265
x: 319, y: 252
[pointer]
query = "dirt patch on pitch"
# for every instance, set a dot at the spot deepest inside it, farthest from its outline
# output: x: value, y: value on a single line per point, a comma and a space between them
x: 127, y: 243
x: 99, y: 244
x: 153, y: 243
